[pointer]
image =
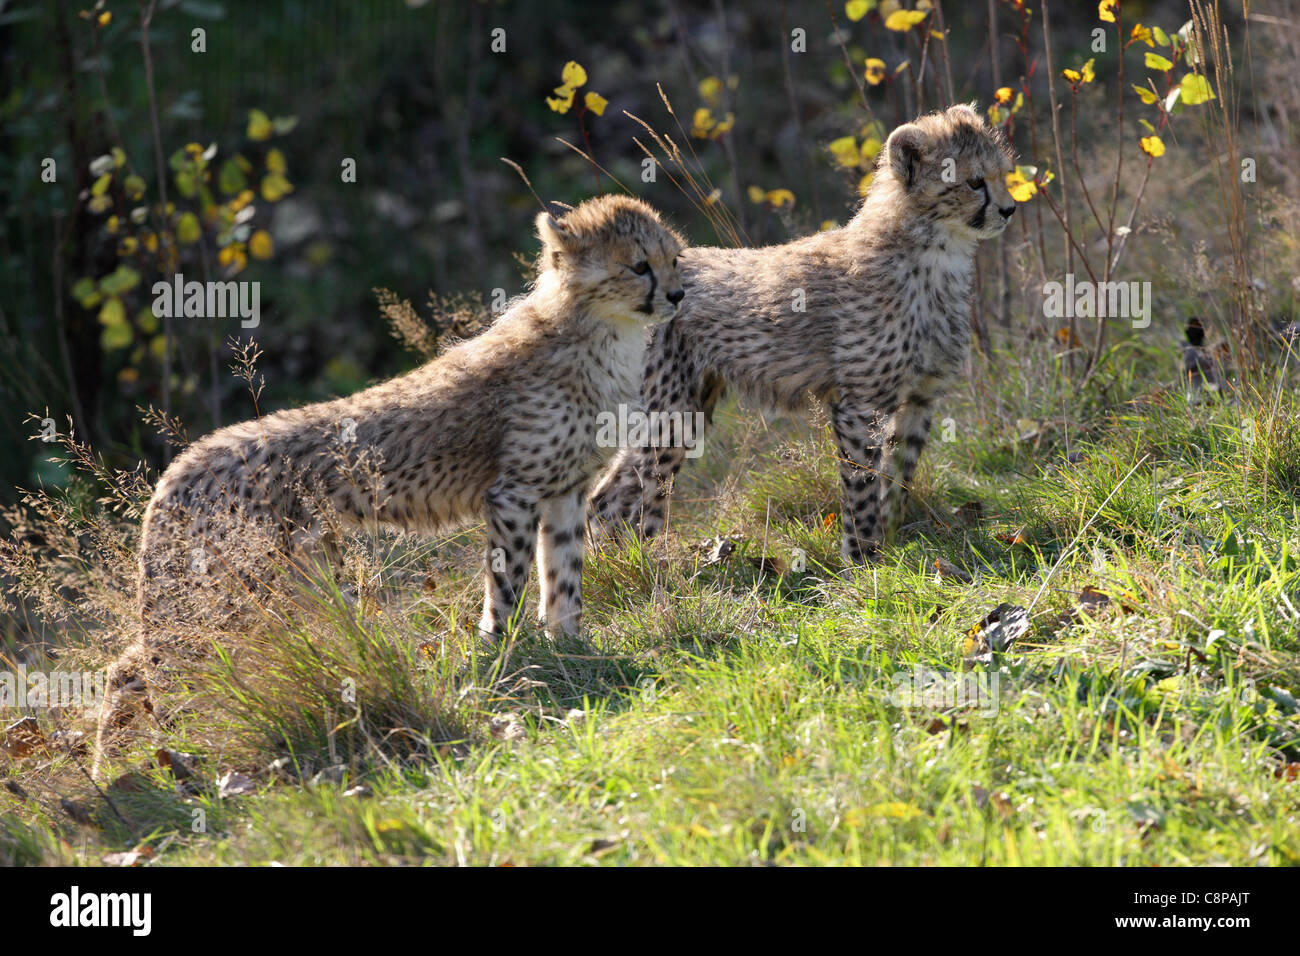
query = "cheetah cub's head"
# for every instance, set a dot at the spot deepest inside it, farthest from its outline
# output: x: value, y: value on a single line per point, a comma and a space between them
x: 951, y: 170
x: 616, y: 258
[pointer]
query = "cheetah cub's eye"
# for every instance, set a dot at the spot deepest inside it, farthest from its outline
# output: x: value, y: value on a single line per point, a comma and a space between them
x: 977, y: 183
x: 641, y: 268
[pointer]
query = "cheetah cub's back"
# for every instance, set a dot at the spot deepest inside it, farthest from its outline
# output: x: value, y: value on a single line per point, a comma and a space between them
x: 502, y: 428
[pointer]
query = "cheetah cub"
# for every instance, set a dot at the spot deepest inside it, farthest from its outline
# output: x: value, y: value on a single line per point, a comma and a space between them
x: 872, y: 319
x: 502, y: 427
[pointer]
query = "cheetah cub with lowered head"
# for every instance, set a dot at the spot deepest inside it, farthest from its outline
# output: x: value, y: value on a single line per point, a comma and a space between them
x: 871, y: 319
x: 502, y: 427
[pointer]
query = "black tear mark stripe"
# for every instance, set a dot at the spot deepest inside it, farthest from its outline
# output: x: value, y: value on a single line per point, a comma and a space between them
x: 977, y: 220
x: 648, y: 307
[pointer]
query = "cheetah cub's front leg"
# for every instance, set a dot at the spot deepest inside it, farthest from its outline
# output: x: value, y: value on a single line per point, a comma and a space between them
x: 859, y: 436
x: 511, y: 512
x: 514, y: 518
x: 559, y: 562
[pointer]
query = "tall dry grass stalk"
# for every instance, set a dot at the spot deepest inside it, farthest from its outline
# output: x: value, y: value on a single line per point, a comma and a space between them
x: 1220, y: 121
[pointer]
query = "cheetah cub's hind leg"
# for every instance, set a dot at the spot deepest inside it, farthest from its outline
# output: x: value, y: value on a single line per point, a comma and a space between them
x: 633, y: 493
x: 909, y: 431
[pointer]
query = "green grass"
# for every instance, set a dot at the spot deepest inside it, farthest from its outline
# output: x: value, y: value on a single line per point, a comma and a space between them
x: 731, y: 714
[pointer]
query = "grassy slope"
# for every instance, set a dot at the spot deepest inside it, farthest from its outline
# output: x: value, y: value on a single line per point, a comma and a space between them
x: 734, y: 715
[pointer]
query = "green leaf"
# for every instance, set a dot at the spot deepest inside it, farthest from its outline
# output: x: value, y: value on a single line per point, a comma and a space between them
x: 101, y: 184
x: 1196, y: 89
x: 117, y: 336
x: 83, y: 290
x: 1155, y: 61
x: 121, y: 280
x: 134, y: 186
x: 259, y: 125
x: 187, y: 229
x: 113, y: 313
x: 231, y: 178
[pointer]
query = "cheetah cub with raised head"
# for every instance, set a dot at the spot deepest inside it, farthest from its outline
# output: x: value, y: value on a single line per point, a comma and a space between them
x: 872, y: 319
x: 502, y: 427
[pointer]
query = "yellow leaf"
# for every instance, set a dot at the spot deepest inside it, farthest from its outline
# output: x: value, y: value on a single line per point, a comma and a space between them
x: 870, y: 149
x: 710, y: 88
x: 1088, y: 74
x: 1161, y: 37
x: 1147, y: 96
x: 904, y: 20
x: 756, y: 195
x: 1106, y: 10
x: 1154, y: 61
x: 259, y: 125
x: 1144, y: 34
x: 855, y: 10
x: 275, y: 187
x: 596, y: 103
x: 865, y: 183
x: 1196, y: 89
x: 1074, y: 76
x: 894, y: 810
x: 260, y: 245
x: 702, y: 122
x: 1003, y: 94
x: 780, y: 197
x: 562, y: 100
x: 1152, y: 146
x: 116, y: 337
x: 1021, y: 188
x: 112, y: 312
x: 724, y: 126
x: 875, y: 71
x: 845, y: 151
x: 573, y: 74
x: 275, y: 162
x: 105, y: 18
x: 827, y: 224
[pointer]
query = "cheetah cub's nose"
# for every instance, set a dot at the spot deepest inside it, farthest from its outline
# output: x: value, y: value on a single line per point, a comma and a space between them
x: 1006, y: 211
x: 675, y: 297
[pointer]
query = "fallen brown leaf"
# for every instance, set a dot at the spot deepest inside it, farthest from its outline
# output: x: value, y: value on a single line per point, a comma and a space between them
x: 24, y: 738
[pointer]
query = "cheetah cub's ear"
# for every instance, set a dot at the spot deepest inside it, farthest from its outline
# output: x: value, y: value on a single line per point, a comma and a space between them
x: 557, y: 238
x: 905, y: 148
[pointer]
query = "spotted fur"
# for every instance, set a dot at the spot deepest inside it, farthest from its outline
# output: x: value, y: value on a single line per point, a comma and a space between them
x: 502, y: 427
x: 883, y: 333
